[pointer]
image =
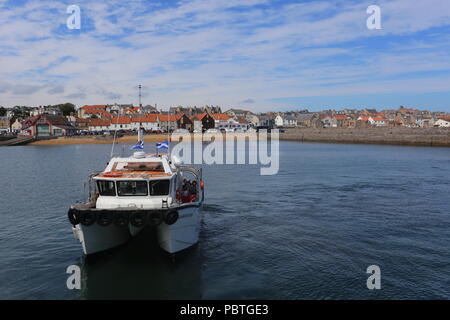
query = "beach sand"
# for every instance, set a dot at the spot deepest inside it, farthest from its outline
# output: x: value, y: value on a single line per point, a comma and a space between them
x: 125, y: 139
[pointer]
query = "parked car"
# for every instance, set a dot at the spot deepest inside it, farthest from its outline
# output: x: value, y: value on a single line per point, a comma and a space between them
x: 212, y: 131
x: 197, y: 131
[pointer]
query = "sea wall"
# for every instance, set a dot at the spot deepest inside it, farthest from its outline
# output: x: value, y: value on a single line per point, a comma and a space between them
x: 436, y: 137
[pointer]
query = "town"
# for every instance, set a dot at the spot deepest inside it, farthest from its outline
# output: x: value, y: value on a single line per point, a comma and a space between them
x: 67, y: 120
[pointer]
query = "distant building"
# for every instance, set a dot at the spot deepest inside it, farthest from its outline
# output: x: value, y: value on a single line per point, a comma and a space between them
x: 443, y: 122
x: 5, y: 124
x: 203, y: 121
x: 47, y: 126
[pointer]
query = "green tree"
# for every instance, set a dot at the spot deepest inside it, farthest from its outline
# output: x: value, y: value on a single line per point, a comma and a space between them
x: 2, y: 111
x: 66, y: 108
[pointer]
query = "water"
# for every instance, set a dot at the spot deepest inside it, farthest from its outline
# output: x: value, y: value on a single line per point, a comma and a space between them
x: 309, y: 232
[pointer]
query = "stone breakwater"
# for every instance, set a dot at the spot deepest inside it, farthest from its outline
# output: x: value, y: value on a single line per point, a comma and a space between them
x: 435, y: 137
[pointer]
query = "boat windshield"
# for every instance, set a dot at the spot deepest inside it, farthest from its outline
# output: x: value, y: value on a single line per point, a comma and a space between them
x: 106, y: 188
x: 132, y: 188
x: 159, y: 187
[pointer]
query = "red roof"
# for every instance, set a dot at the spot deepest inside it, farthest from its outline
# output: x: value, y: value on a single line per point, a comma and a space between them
x: 198, y: 116
x: 242, y: 120
x: 94, y: 107
x: 146, y: 118
x: 445, y: 118
x: 220, y: 116
x: 102, y: 113
x: 171, y: 117
x: 99, y: 123
x: 340, y: 117
x: 121, y: 120
x: 133, y: 110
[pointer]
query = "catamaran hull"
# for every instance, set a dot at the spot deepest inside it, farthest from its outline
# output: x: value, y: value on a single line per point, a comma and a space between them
x: 184, y: 233
x: 172, y: 238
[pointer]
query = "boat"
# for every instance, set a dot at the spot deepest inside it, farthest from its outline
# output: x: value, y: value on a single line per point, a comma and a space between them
x: 136, y: 192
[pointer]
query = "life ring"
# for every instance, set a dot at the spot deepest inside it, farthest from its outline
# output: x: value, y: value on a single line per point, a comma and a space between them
x: 138, y: 219
x: 112, y: 174
x: 121, y: 219
x: 202, y: 184
x: 74, y: 216
x: 178, y: 195
x: 171, y: 217
x: 88, y: 218
x: 155, y: 218
x: 105, y: 219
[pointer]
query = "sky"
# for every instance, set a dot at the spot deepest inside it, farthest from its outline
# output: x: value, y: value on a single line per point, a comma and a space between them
x: 259, y: 55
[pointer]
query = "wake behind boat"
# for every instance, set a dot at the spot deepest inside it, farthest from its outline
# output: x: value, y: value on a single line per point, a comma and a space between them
x: 143, y: 190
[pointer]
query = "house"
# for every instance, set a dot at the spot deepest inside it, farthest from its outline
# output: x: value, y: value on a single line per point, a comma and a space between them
x: 16, y: 125
x: 168, y: 122
x: 423, y: 122
x: 203, y: 121
x: 47, y: 126
x: 234, y: 113
x: 328, y: 121
x: 148, y: 122
x: 5, y: 124
x: 290, y: 121
x: 443, y: 122
x: 221, y: 120
x: 305, y: 120
x: 252, y: 119
x: 81, y: 124
x: 266, y: 120
x: 86, y: 112
x: 96, y: 125
x: 120, y: 123
x: 373, y: 121
x: 279, y: 121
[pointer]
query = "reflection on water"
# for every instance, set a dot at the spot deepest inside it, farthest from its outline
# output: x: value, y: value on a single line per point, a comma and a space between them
x: 141, y: 270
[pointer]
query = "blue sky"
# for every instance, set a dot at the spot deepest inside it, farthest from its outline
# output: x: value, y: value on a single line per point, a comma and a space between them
x: 256, y: 54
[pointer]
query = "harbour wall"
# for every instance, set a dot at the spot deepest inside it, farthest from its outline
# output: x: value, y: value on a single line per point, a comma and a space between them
x: 435, y: 137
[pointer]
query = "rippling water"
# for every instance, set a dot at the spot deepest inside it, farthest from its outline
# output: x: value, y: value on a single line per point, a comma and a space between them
x: 309, y: 232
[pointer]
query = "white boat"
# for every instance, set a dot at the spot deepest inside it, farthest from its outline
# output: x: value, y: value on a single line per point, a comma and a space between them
x: 132, y: 193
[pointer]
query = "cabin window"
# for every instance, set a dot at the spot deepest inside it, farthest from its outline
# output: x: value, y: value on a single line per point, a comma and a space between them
x: 132, y: 188
x: 106, y: 188
x: 159, y: 187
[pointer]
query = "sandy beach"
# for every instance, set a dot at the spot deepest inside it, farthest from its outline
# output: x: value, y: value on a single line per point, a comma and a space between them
x: 151, y: 138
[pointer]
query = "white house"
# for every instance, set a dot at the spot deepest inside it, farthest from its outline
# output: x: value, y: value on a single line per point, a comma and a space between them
x: 99, y: 125
x: 148, y: 122
x: 441, y: 123
x: 377, y: 121
x: 279, y: 121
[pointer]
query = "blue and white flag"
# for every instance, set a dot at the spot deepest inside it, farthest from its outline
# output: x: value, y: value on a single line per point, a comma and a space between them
x: 162, y: 145
x: 139, y: 145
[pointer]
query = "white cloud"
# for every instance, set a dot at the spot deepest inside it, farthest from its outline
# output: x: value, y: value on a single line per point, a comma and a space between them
x: 219, y: 52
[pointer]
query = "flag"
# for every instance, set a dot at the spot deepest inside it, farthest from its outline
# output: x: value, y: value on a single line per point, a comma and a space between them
x: 139, y: 145
x: 162, y: 145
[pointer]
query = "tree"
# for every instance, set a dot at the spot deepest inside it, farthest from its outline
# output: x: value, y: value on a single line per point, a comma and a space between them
x: 2, y: 111
x: 66, y: 108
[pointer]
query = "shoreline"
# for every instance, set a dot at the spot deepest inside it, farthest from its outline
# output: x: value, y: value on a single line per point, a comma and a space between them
x: 430, y: 137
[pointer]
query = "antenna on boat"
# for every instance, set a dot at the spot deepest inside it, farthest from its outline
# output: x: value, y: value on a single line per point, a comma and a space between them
x: 115, y: 134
